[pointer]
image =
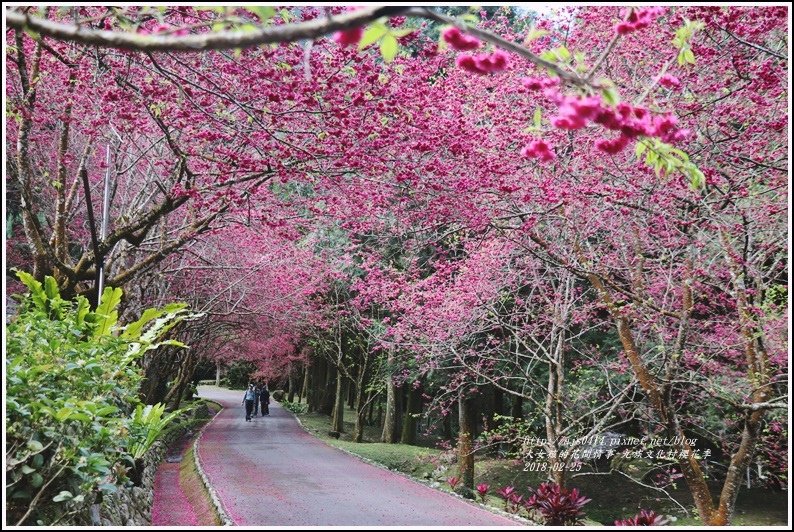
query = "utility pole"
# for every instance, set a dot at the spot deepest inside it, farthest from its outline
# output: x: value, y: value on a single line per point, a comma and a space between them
x: 104, y: 228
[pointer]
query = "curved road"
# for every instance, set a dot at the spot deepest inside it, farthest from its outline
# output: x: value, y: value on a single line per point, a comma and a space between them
x: 271, y: 472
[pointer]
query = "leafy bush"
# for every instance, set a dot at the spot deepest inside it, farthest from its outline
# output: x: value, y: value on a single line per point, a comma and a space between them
x: 296, y: 408
x: 239, y: 374
x: 557, y: 505
x: 71, y: 382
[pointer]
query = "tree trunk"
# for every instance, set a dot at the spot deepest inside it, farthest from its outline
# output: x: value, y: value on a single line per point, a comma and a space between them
x: 217, y: 373
x: 553, y: 412
x: 360, y: 406
x: 413, y: 407
x: 327, y: 405
x: 291, y: 385
x: 313, y: 391
x: 371, y: 402
x: 338, y: 416
x: 466, y: 419
x: 351, y: 394
x: 446, y: 427
x: 305, y: 387
x: 391, y: 419
x: 517, y: 408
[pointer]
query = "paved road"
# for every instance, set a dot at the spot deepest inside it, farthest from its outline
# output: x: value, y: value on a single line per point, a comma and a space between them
x: 270, y: 472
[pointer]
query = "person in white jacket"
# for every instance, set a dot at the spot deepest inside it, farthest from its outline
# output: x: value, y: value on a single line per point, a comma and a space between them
x: 248, y: 401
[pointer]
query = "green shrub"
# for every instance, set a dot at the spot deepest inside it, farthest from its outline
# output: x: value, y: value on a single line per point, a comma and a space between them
x: 73, y: 423
x: 239, y: 374
x: 296, y: 408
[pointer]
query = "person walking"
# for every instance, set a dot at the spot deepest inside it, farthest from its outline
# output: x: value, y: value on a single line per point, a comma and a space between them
x: 264, y: 398
x: 248, y: 400
x: 257, y: 392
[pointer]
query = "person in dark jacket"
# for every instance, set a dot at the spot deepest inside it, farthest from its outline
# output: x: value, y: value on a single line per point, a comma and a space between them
x: 248, y: 400
x: 257, y: 392
x: 264, y: 398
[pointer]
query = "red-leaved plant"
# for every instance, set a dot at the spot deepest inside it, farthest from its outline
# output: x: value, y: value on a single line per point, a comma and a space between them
x: 482, y: 489
x: 557, y: 506
x: 506, y: 493
x: 453, y: 481
x: 644, y: 518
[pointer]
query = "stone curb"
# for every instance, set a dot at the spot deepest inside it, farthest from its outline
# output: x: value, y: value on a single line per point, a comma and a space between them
x: 223, y: 515
x: 519, y: 520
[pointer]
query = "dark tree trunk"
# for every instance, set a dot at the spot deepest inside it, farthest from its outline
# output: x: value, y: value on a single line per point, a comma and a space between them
x: 467, y: 421
x: 291, y: 384
x: 338, y: 416
x: 446, y: 427
x: 306, y: 383
x: 413, y: 407
x: 329, y: 398
x: 371, y: 398
x: 360, y: 406
x: 517, y: 409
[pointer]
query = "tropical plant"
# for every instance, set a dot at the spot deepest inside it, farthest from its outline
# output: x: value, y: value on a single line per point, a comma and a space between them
x: 557, y: 506
x: 71, y: 383
x: 644, y: 518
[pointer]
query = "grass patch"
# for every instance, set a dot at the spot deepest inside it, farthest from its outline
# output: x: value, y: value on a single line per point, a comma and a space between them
x: 195, y: 491
x: 415, y: 460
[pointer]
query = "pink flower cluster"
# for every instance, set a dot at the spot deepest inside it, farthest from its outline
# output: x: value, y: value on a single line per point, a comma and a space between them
x: 669, y: 81
x: 538, y: 149
x: 484, y: 63
x: 574, y: 112
x: 535, y: 84
x: 459, y: 40
x: 635, y: 121
x: 638, y: 19
x: 349, y: 37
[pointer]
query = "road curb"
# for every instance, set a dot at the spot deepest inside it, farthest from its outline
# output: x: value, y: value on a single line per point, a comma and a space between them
x: 223, y: 515
x: 492, y: 509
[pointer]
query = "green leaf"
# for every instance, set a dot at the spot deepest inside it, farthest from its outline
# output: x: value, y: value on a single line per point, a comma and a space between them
x: 610, y: 95
x: 640, y: 148
x: 104, y: 411
x: 537, y: 118
x: 36, y: 480
x: 51, y: 287
x: 133, y: 330
x: 534, y: 33
x: 388, y: 48
x: 689, y: 56
x: 563, y: 53
x: 264, y: 13
x: 83, y: 307
x: 285, y: 15
x: 402, y: 32
x: 108, y: 488
x: 372, y: 34
x: 27, y: 470
x: 79, y: 416
x: 107, y: 311
x: 63, y: 496
x: 36, y: 291
x: 63, y: 413
x: 174, y: 343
